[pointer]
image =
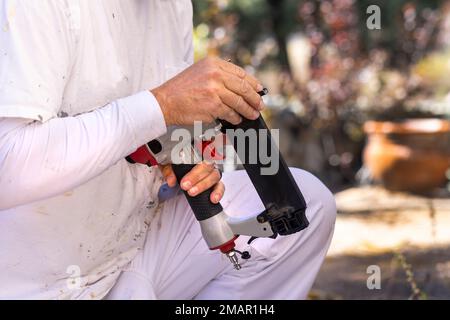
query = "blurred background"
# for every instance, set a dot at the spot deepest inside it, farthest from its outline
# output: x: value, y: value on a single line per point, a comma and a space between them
x: 363, y: 103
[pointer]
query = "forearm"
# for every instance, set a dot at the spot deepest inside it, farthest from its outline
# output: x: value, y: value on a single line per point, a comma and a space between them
x: 41, y: 160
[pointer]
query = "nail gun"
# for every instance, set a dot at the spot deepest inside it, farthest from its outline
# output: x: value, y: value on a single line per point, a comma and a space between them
x: 284, y: 204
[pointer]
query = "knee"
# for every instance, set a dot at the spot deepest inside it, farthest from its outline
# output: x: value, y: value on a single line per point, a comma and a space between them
x: 321, y: 204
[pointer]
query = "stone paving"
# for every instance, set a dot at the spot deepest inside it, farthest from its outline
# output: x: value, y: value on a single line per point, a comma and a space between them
x: 398, y: 232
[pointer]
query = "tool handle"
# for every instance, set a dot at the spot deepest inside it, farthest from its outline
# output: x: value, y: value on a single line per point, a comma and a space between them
x: 280, y: 194
x: 201, y: 204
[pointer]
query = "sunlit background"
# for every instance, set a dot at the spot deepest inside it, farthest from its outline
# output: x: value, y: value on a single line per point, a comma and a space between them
x: 364, y: 110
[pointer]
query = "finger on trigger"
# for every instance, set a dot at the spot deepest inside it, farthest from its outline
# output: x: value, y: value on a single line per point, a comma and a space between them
x: 208, y: 182
x: 199, y: 172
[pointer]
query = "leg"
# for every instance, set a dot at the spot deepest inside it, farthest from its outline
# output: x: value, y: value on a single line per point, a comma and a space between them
x: 176, y: 263
x: 284, y: 268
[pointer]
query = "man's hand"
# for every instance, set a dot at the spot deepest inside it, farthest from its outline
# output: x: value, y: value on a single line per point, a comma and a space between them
x: 208, y: 90
x: 201, y: 178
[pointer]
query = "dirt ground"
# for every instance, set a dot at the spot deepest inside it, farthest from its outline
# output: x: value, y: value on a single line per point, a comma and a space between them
x: 406, y: 236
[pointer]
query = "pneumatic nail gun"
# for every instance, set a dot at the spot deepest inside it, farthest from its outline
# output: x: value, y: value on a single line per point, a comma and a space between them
x: 284, y: 204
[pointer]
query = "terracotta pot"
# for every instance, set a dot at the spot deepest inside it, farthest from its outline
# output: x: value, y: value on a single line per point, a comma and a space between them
x: 412, y: 155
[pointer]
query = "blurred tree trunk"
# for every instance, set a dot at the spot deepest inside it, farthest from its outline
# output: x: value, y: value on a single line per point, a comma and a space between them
x: 276, y: 14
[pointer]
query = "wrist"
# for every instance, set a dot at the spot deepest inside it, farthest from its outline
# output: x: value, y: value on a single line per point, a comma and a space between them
x: 163, y: 102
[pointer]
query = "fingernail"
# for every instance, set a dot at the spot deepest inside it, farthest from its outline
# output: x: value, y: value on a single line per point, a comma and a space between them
x: 193, y: 191
x: 259, y: 87
x: 216, y: 198
x: 256, y: 114
x: 186, y: 185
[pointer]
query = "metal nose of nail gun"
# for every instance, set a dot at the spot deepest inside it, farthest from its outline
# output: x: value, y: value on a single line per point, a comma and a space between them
x: 234, y: 259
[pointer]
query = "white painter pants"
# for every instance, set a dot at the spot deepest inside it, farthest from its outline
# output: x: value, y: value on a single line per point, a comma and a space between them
x: 175, y: 262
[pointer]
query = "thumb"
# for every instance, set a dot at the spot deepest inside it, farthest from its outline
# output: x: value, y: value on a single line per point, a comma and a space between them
x: 168, y: 174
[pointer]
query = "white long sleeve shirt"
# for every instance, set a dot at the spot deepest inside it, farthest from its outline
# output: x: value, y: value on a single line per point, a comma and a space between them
x: 74, y: 101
